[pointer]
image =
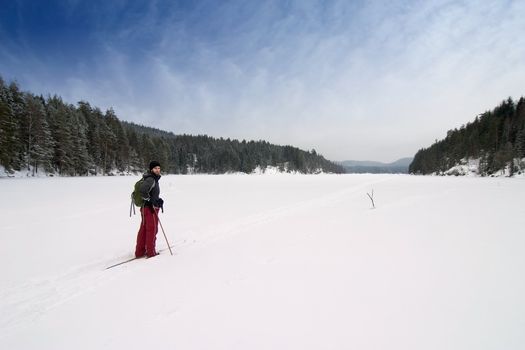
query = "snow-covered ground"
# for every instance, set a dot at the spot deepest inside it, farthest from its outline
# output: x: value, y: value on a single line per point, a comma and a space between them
x: 266, y: 262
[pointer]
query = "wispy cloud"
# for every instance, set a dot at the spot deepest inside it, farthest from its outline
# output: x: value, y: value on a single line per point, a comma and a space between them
x: 363, y: 80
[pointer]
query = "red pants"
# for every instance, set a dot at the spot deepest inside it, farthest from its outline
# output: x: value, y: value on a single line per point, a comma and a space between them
x: 147, y: 233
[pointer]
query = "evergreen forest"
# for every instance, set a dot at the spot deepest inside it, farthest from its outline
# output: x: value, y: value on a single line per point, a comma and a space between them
x: 46, y: 134
x: 496, y: 138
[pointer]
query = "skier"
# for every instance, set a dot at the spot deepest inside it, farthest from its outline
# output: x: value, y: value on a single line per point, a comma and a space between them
x: 150, y: 192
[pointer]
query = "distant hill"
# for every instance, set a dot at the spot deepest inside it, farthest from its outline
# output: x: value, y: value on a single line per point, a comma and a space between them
x: 359, y: 167
x: 494, y: 143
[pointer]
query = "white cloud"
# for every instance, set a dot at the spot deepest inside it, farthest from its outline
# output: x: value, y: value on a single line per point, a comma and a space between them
x: 375, y: 82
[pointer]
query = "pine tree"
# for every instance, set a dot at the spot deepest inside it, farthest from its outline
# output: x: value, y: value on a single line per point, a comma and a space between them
x: 8, y: 129
x: 57, y: 113
x: 80, y: 159
x: 39, y: 142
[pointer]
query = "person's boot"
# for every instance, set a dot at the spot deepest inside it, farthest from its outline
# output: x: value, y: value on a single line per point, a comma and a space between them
x: 152, y: 255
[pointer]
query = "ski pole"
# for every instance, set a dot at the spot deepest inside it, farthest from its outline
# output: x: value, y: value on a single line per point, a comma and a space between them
x: 131, y: 207
x: 168, y: 243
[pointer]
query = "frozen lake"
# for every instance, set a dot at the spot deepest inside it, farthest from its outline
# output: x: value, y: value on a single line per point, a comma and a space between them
x: 266, y: 262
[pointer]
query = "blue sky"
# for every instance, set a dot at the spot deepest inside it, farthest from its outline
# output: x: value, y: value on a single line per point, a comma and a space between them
x: 365, y: 80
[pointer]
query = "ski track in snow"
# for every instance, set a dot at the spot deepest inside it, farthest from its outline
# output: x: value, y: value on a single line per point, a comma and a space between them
x: 244, y: 224
x: 38, y: 297
x: 24, y: 304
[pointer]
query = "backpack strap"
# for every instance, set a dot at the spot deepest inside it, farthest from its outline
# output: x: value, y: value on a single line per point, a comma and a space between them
x: 154, y: 181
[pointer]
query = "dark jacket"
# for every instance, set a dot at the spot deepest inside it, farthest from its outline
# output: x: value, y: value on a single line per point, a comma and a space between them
x: 150, y: 189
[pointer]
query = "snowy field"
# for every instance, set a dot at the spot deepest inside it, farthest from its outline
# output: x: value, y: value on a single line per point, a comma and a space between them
x: 266, y: 262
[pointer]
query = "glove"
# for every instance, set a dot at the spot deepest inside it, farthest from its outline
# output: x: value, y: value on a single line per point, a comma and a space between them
x: 160, y: 204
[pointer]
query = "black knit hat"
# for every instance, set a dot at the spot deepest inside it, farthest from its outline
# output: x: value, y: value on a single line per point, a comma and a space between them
x: 153, y: 164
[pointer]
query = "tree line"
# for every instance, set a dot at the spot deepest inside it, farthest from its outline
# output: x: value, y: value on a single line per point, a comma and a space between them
x: 48, y: 135
x: 496, y: 138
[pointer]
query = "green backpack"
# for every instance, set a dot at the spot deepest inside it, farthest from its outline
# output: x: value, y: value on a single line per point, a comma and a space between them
x: 136, y: 198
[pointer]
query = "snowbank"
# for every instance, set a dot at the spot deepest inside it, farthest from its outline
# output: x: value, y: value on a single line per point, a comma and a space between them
x: 470, y: 167
x: 467, y: 167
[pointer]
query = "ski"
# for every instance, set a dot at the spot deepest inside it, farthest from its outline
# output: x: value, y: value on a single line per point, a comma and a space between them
x: 130, y: 260
x: 121, y: 263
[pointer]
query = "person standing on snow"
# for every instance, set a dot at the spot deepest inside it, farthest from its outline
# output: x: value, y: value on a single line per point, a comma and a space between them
x: 150, y: 191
